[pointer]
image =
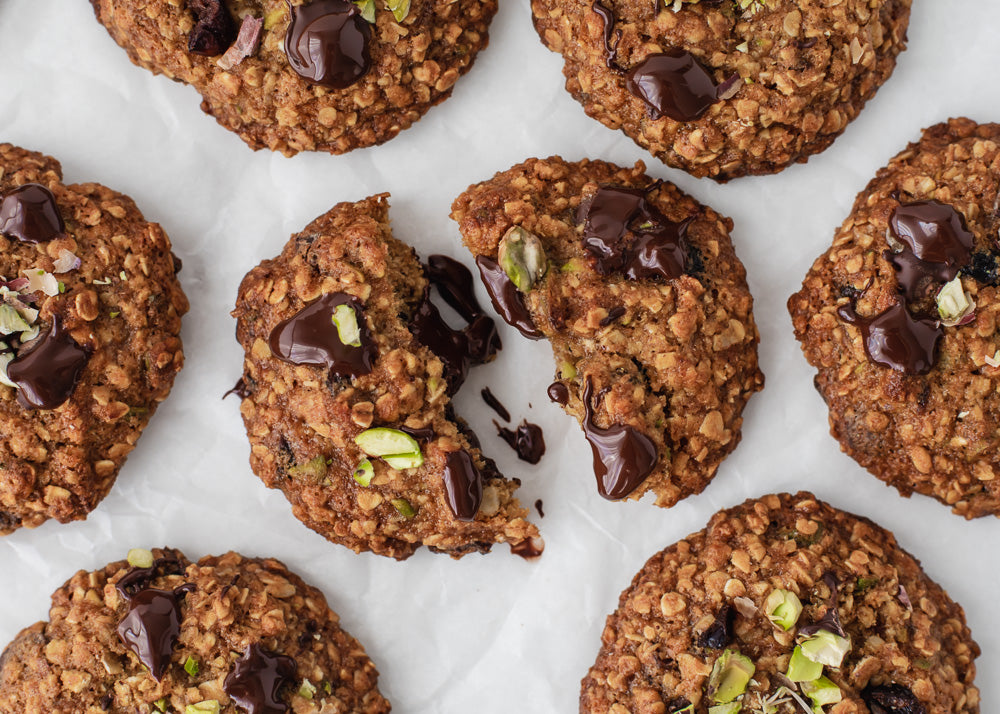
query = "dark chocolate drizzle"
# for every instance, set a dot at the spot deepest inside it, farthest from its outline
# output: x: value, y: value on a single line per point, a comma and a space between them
x: 892, y: 699
x: 623, y: 232
x: 506, y: 298
x: 257, y: 678
x: 310, y: 337
x: 623, y: 456
x: 897, y: 340
x: 526, y: 549
x: 424, y: 433
x: 329, y: 43
x: 241, y: 389
x: 558, y: 393
x: 673, y: 84
x: 29, y: 214
x: 607, y: 16
x: 152, y: 625
x: 454, y: 282
x: 495, y: 404
x: 463, y: 485
x: 213, y: 30
x: 527, y: 440
x: 49, y: 370
x: 538, y: 507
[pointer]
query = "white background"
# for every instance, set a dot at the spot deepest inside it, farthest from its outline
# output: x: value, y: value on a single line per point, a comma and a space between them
x: 487, y: 633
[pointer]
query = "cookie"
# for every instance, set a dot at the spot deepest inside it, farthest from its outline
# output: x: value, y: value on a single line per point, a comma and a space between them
x: 225, y: 634
x: 781, y: 604
x: 899, y: 317
x: 638, y: 289
x: 90, y: 319
x: 724, y: 88
x: 306, y: 75
x: 346, y: 392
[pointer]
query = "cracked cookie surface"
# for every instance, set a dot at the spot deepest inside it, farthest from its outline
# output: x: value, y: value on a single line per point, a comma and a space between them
x: 672, y: 360
x: 792, y: 74
x: 108, y: 278
x: 304, y: 421
x: 707, y: 594
x: 227, y: 605
x: 934, y: 433
x: 414, y: 64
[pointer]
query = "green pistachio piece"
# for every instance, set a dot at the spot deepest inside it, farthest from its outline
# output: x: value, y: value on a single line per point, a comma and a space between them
x: 803, y: 669
x: 400, y: 8
x: 730, y: 676
x: 5, y: 359
x: 731, y: 708
x: 403, y: 507
x: 572, y: 265
x: 822, y: 691
x: 396, y: 448
x: 567, y: 370
x: 209, y: 706
x: 271, y: 19
x: 11, y: 321
x: 161, y: 704
x: 826, y: 648
x: 783, y: 608
x: 363, y: 473
x: 522, y: 257
x: 307, y: 690
x: 191, y: 666
x: 140, y: 558
x: 312, y: 470
x: 689, y: 709
x: 953, y: 303
x: 346, y: 320
x: 864, y: 584
x: 327, y: 687
x: 367, y: 8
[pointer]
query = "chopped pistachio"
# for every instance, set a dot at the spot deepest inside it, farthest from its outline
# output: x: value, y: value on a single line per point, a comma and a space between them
x: 863, y: 584
x: 403, y: 507
x: 400, y: 8
x: 363, y: 473
x: 689, y: 709
x: 307, y: 690
x: 953, y: 303
x: 783, y: 608
x: 522, y: 257
x: 312, y: 470
x: 567, y: 370
x: 826, y: 648
x: 730, y: 708
x: 140, y: 558
x: 62, y: 286
x: 271, y: 18
x: 11, y: 321
x: 191, y: 666
x: 803, y: 669
x: 327, y: 687
x: 104, y: 281
x: 572, y: 265
x: 346, y: 320
x: 121, y: 274
x: 5, y: 359
x: 922, y: 663
x: 822, y: 691
x: 396, y: 448
x: 367, y: 8
x: 730, y: 676
x: 209, y: 706
x: 161, y: 704
x: 114, y: 313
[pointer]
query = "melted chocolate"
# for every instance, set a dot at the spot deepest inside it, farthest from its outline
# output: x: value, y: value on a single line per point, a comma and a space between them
x: 623, y: 456
x: 673, y: 84
x: 29, y: 214
x: 424, y: 433
x: 310, y: 337
x: 137, y: 578
x: 610, y: 50
x: 506, y: 298
x: 329, y: 43
x: 240, y: 389
x: 558, y: 393
x: 463, y: 485
x: 152, y: 625
x: 495, y: 404
x: 49, y: 370
x: 623, y: 232
x: 895, y: 339
x: 454, y: 281
x: 538, y: 507
x: 527, y: 549
x: 257, y: 678
x: 213, y: 31
x: 613, y: 314
x: 892, y: 699
x: 937, y: 245
x: 527, y: 441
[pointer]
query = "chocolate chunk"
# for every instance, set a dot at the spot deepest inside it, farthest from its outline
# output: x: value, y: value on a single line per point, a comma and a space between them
x: 607, y: 16
x: 425, y: 433
x: 247, y: 42
x: 214, y: 29
x: 892, y: 699
x: 984, y: 268
x: 527, y: 441
x: 49, y: 370
x: 506, y: 298
x: 673, y: 84
x: 310, y: 337
x: 328, y: 43
x: 558, y: 393
x: 257, y: 678
x: 623, y: 232
x: 623, y: 456
x: 495, y: 404
x: 152, y: 625
x: 463, y: 485
x: 896, y: 340
x: 716, y: 636
x: 137, y: 578
x: 29, y: 214
x: 613, y: 314
x: 935, y: 233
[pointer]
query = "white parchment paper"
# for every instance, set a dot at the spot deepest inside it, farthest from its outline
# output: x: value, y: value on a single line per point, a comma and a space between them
x: 495, y: 633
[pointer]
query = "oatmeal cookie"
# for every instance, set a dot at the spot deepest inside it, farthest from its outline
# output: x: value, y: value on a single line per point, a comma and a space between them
x: 306, y: 75
x: 346, y: 392
x: 724, y: 88
x: 90, y: 319
x: 899, y: 317
x: 638, y: 289
x: 781, y: 605
x: 225, y: 634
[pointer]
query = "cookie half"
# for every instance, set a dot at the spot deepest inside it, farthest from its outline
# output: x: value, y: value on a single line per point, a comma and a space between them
x: 90, y: 319
x: 899, y: 317
x: 318, y: 75
x: 638, y: 289
x: 783, y: 604
x: 346, y: 392
x: 724, y: 88
x: 225, y: 634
